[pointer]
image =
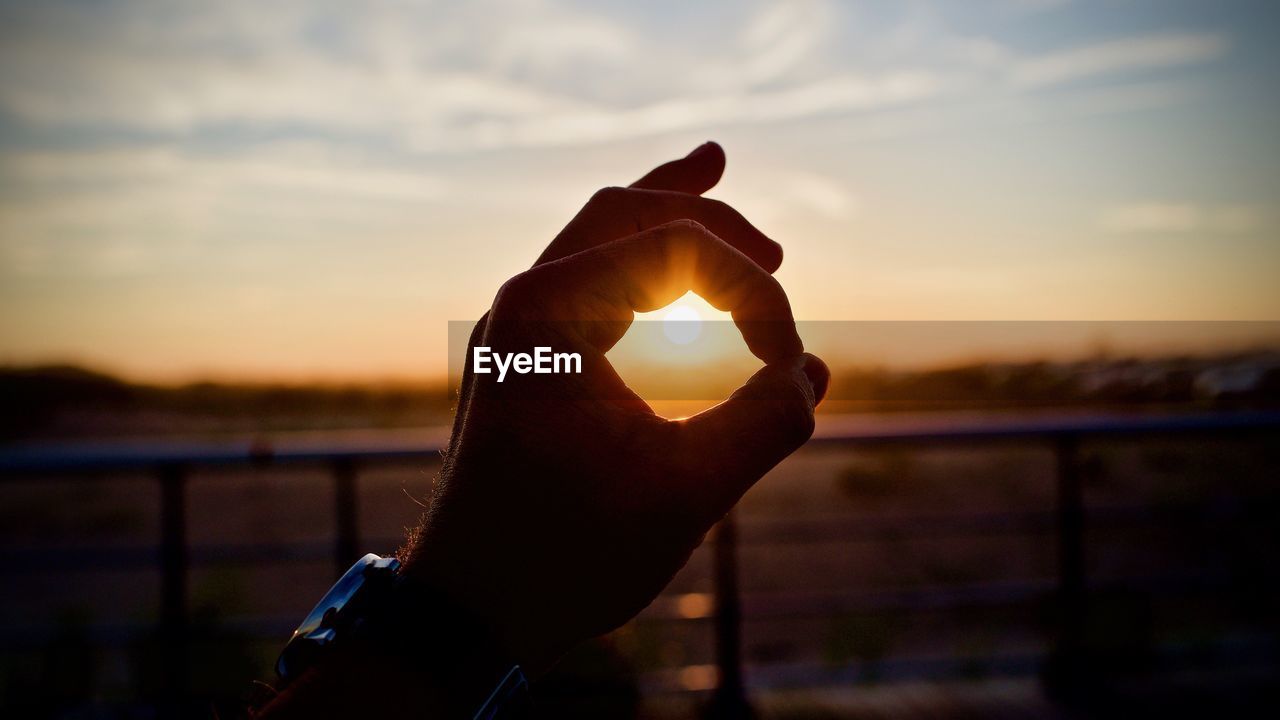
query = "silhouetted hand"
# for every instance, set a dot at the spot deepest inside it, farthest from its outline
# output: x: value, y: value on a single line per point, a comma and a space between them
x: 565, y: 505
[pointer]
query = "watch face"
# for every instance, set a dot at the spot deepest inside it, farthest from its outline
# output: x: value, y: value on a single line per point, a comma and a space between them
x: 318, y: 628
x: 315, y: 627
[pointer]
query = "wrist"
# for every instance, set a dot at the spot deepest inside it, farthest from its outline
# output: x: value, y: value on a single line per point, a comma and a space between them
x: 391, y: 644
x: 370, y: 680
x: 483, y: 586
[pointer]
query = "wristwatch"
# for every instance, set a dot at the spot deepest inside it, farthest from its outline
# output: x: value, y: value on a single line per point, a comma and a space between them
x: 374, y: 605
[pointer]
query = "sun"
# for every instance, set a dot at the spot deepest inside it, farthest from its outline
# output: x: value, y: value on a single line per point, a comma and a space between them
x: 682, y: 323
x: 683, y: 358
x: 689, y: 331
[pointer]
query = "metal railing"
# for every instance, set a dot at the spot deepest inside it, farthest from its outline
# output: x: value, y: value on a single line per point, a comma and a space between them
x: 170, y: 464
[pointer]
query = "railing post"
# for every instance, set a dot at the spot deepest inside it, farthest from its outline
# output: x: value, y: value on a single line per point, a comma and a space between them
x: 173, y: 587
x: 1065, y: 675
x: 730, y: 699
x: 346, y: 537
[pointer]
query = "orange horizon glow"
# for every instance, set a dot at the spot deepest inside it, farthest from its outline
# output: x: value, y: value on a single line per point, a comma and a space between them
x: 320, y: 209
x: 648, y: 352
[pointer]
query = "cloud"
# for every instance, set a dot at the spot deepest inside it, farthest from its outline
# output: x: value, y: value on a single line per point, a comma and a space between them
x: 547, y: 74
x: 1180, y: 218
x: 602, y: 124
x: 105, y: 212
x: 1117, y: 56
x: 308, y: 169
x: 1032, y: 6
x: 780, y: 37
x: 795, y: 199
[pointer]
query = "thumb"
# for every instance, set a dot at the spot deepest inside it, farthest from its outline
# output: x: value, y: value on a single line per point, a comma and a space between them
x: 736, y: 442
x: 695, y: 173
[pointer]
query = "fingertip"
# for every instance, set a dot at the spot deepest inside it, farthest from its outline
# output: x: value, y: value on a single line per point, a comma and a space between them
x: 709, y: 160
x: 819, y: 376
x: 695, y: 173
x: 709, y: 150
x: 775, y: 256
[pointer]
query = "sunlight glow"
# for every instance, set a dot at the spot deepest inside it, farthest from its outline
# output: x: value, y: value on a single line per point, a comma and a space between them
x: 689, y: 331
x: 682, y: 324
x: 684, y: 357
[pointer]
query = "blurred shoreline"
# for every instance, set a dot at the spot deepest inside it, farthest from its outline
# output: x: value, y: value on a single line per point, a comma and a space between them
x: 73, y: 404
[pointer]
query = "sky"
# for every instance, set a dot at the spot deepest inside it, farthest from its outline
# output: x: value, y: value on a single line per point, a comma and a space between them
x: 283, y: 190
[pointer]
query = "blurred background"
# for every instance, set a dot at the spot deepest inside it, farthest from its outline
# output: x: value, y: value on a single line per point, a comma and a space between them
x: 1037, y: 241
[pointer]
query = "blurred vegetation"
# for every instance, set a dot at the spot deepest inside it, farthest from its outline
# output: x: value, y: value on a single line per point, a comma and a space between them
x: 65, y: 402
x: 1234, y: 381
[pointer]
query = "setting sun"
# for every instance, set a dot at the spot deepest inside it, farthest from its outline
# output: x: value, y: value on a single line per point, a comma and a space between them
x: 687, y: 332
x: 684, y: 357
x: 682, y: 324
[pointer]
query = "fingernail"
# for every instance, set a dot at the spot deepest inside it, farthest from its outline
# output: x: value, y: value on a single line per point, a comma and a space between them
x: 819, y: 376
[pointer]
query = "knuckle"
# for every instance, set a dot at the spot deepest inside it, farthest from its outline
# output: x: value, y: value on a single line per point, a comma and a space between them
x: 778, y: 295
x: 795, y: 413
x: 517, y: 290
x: 686, y: 232
x: 608, y: 195
x: 690, y: 224
x: 720, y: 207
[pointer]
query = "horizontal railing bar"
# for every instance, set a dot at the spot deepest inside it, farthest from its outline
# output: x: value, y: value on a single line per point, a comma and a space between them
x: 753, y: 532
x: 763, y: 606
x: 801, y: 674
x: 129, y: 557
x: 1244, y: 650
x: 923, y: 526
x: 124, y: 634
x: 756, y: 607
x: 789, y: 531
x: 885, y: 430
x: 1254, y: 649
x: 99, y: 457
x: 789, y: 604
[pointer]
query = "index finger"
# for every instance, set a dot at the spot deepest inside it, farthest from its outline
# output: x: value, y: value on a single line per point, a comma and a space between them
x: 647, y: 270
x: 614, y: 212
x: 695, y: 173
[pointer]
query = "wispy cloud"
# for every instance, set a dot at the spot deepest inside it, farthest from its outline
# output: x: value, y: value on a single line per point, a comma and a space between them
x: 1180, y: 218
x: 1116, y: 56
x: 548, y: 75
x: 105, y: 212
x: 550, y: 78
